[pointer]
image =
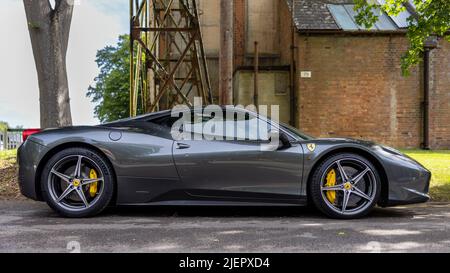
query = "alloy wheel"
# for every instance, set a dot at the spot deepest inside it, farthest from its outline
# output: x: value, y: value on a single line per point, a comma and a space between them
x: 353, y: 189
x: 75, y: 183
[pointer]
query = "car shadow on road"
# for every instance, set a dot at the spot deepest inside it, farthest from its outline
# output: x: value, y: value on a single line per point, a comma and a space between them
x: 233, y: 212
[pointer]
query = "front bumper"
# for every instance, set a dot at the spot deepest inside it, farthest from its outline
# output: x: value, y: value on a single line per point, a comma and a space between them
x: 409, y: 182
x: 29, y: 155
x: 414, y: 193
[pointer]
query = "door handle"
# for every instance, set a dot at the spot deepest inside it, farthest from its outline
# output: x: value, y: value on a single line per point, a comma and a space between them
x: 182, y: 146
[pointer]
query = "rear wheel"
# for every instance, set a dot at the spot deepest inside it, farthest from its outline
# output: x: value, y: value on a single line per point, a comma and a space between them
x: 77, y: 182
x: 345, y: 186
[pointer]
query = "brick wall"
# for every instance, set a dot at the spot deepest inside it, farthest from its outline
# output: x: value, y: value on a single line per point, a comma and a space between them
x: 357, y: 90
x: 240, y: 18
x: 440, y: 97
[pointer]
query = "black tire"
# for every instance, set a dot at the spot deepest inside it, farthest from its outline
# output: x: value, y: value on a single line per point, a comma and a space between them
x: 100, y: 202
x: 318, y: 194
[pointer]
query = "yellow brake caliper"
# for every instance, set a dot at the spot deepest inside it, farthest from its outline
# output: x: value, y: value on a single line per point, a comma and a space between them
x: 94, y: 186
x: 331, y: 181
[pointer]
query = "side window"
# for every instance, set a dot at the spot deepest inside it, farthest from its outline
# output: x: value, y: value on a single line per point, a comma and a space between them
x: 240, y: 126
x: 195, y: 127
x: 249, y: 127
x: 166, y: 122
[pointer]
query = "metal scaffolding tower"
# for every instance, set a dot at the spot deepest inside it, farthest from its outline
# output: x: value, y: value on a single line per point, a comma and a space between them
x: 167, y: 58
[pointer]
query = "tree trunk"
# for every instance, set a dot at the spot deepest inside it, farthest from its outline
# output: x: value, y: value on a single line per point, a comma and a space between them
x: 49, y: 29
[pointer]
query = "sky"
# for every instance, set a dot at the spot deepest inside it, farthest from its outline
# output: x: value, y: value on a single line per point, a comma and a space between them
x: 95, y: 24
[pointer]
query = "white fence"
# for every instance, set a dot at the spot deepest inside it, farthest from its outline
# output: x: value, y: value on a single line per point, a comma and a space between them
x: 10, y: 139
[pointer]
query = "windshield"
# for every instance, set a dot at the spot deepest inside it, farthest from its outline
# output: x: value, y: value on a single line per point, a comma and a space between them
x: 295, y: 132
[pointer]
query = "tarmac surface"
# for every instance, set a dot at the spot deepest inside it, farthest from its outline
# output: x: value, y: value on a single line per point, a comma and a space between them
x: 27, y: 226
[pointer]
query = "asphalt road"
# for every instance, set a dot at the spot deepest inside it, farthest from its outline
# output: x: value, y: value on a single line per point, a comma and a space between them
x: 27, y: 226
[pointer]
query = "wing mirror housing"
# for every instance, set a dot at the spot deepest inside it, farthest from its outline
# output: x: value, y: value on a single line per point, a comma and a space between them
x: 277, y: 140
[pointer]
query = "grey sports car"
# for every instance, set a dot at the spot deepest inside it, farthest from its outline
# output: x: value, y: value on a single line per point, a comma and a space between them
x: 79, y: 171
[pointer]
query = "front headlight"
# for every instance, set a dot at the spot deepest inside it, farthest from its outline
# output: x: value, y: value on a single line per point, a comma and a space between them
x: 388, y: 150
x: 392, y: 150
x: 396, y: 154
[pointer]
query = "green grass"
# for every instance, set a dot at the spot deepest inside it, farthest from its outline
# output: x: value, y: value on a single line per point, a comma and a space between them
x: 438, y: 162
x: 8, y: 156
x: 9, y: 188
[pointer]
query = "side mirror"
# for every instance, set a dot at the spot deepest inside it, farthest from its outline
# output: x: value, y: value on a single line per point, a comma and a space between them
x: 274, y: 136
x: 277, y: 141
x: 285, y: 141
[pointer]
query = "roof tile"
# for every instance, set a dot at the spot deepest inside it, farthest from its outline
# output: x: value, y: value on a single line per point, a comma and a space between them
x: 315, y: 14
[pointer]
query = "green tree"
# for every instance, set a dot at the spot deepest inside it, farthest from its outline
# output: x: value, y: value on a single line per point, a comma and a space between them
x: 431, y: 18
x: 111, y: 89
x: 3, y: 126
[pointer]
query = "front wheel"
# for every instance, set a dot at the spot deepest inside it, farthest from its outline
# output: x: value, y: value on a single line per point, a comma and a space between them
x: 77, y: 182
x: 345, y: 186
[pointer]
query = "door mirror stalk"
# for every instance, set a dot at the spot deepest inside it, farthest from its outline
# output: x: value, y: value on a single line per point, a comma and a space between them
x: 277, y: 141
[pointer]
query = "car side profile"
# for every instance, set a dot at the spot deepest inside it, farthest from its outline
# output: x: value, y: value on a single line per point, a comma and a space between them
x: 79, y: 171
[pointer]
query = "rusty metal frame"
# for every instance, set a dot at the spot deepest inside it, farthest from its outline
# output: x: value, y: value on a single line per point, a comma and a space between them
x: 167, y: 58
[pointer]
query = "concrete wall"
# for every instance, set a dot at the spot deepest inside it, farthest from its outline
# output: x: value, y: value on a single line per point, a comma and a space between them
x: 209, y: 11
x: 255, y: 20
x: 273, y: 86
x: 261, y: 23
x: 263, y: 26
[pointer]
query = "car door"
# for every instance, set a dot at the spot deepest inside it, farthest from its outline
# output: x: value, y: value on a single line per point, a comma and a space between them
x: 236, y: 167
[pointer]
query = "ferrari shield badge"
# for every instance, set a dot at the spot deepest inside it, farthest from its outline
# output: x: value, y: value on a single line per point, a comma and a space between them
x: 311, y: 147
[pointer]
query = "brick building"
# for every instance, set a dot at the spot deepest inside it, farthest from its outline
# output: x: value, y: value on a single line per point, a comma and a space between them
x: 331, y: 77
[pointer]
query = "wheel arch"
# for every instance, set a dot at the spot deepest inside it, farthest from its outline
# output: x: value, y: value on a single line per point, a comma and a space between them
x: 364, y: 153
x: 65, y: 146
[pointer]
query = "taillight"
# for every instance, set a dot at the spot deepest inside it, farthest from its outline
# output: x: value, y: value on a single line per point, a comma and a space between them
x: 28, y: 132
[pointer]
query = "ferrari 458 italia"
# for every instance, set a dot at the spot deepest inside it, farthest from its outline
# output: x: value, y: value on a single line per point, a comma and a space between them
x: 79, y: 171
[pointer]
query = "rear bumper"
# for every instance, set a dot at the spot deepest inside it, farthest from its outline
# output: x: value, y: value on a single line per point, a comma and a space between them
x: 29, y: 155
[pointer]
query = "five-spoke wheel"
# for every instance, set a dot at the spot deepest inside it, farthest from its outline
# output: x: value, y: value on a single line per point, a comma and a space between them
x: 77, y: 182
x: 345, y: 186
